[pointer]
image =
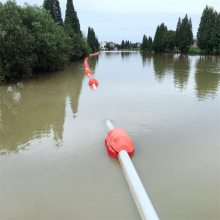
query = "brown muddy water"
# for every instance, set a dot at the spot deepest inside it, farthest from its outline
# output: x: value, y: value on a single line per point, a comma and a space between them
x: 53, y: 163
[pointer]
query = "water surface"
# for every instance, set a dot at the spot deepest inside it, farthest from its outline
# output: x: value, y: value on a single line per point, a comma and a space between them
x: 53, y: 163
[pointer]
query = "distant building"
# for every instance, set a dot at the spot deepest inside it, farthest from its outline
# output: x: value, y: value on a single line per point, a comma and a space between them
x: 111, y: 46
x: 103, y: 45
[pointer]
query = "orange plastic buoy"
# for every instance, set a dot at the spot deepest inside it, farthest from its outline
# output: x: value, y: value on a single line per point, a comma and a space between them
x: 93, y: 81
x: 88, y: 72
x: 85, y: 66
x: 117, y: 140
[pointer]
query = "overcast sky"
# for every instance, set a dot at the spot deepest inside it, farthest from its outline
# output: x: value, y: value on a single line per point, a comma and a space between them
x: 114, y: 20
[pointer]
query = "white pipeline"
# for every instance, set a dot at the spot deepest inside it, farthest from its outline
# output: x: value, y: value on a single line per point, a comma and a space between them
x: 140, y: 196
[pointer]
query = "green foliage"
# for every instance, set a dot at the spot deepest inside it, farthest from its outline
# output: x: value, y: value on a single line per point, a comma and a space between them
x: 178, y: 34
x: 92, y: 40
x: 53, y: 6
x: 209, y: 32
x: 79, y: 46
x: 16, y: 44
x: 218, y: 34
x: 194, y: 51
x: 147, y: 44
x: 71, y: 20
x: 30, y: 40
x: 126, y: 45
x: 169, y: 40
x: 123, y: 44
x: 144, y: 45
x: 150, y: 44
x: 184, y: 35
x: 159, y: 38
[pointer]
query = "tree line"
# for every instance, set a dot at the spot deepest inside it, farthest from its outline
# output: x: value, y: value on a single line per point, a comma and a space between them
x: 36, y: 39
x: 180, y: 40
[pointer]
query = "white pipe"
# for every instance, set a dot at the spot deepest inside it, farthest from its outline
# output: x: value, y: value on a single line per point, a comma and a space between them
x: 109, y: 125
x: 140, y: 196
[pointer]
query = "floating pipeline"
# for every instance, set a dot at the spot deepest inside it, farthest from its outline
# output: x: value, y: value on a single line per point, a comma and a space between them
x: 120, y: 145
x: 94, y: 54
x: 93, y: 82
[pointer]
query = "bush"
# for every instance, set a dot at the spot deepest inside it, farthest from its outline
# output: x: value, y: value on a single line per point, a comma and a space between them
x: 195, y: 51
x: 30, y: 40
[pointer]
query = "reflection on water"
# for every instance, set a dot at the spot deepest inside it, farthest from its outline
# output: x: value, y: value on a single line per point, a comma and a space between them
x: 93, y: 62
x: 146, y: 59
x: 163, y: 65
x: 207, y: 71
x: 207, y: 76
x: 181, y: 71
x: 37, y: 107
x: 125, y: 55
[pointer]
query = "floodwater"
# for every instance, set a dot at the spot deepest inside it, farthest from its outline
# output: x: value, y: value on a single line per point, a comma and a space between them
x: 53, y: 163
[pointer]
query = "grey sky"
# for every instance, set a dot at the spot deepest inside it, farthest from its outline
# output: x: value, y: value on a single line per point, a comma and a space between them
x: 114, y: 20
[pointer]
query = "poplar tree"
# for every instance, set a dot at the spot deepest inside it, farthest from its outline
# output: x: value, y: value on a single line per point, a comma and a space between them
x: 170, y: 40
x: 92, y: 40
x: 150, y: 44
x: 159, y: 38
x: 184, y: 34
x: 144, y: 45
x: 207, y: 31
x: 123, y: 44
x: 218, y: 34
x: 71, y: 20
x: 53, y: 6
x: 178, y: 34
x: 72, y: 27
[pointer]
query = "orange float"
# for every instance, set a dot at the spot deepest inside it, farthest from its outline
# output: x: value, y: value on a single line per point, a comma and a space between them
x: 93, y: 82
x: 117, y: 140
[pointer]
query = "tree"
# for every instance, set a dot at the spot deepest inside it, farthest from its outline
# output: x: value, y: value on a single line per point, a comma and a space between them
x: 123, y: 45
x: 30, y: 40
x: 71, y: 20
x: 218, y: 34
x: 170, y: 40
x: 159, y: 38
x: 150, y: 44
x: 178, y: 34
x: 79, y: 47
x: 54, y: 7
x: 92, y: 40
x: 207, y: 31
x: 144, y: 45
x: 184, y: 34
